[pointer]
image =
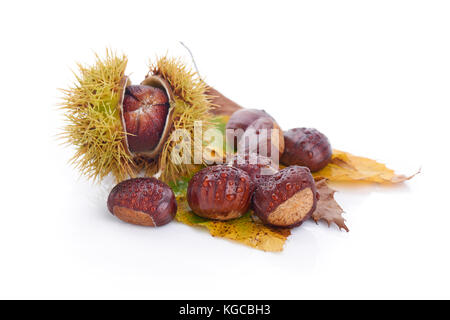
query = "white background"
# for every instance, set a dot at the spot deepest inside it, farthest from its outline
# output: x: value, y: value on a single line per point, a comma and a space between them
x: 372, y: 75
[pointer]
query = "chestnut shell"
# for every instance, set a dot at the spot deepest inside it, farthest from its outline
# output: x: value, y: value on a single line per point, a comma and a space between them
x: 278, y: 189
x: 143, y: 201
x: 306, y: 147
x: 220, y: 192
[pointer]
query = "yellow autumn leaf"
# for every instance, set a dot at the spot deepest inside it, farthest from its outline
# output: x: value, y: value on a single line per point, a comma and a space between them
x: 243, y: 230
x: 345, y: 167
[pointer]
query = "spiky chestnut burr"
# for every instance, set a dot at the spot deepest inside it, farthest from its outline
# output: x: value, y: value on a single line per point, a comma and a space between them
x: 306, y: 147
x: 220, y: 192
x: 122, y: 129
x: 287, y: 198
x: 260, y: 132
x: 143, y: 201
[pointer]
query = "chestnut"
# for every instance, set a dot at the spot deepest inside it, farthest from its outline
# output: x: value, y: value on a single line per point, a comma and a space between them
x: 145, y: 110
x: 143, y: 201
x: 306, y: 147
x: 257, y: 166
x: 220, y: 192
x: 287, y: 198
x: 251, y: 131
x: 242, y: 118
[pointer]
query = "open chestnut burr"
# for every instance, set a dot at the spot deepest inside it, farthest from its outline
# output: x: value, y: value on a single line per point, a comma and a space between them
x: 122, y: 129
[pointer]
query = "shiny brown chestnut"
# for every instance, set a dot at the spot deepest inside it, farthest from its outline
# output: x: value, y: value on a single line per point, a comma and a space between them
x: 242, y: 118
x: 254, y: 131
x: 287, y: 198
x: 143, y: 201
x: 145, y: 110
x: 220, y: 192
x: 258, y: 167
x: 306, y: 147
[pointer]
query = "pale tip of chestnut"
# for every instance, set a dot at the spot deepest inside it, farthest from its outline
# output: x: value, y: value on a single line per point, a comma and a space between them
x: 287, y: 198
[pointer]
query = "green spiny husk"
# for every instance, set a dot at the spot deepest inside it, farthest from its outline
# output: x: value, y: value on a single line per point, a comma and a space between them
x: 93, y: 119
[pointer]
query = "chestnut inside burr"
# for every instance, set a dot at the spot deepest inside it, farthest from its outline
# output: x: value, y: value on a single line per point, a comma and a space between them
x: 145, y: 110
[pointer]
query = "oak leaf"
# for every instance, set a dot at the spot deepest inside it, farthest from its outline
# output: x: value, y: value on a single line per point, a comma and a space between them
x: 327, y: 208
